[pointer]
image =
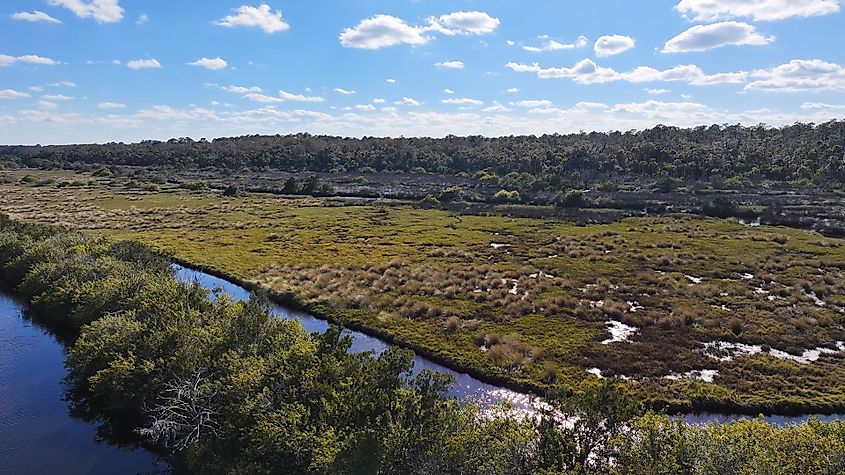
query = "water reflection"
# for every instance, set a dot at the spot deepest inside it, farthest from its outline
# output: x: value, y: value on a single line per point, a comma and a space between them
x: 38, y: 434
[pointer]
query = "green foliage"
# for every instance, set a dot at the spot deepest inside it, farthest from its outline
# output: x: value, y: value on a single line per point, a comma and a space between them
x: 225, y: 387
x: 193, y: 185
x: 505, y: 196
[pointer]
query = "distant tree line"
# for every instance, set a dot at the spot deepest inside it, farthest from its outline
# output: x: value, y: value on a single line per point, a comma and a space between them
x: 726, y: 156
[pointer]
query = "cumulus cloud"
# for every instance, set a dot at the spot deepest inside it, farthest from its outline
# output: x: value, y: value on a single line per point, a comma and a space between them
x: 47, y: 105
x: 102, y: 11
x: 6, y: 60
x: 381, y: 31
x: 213, y: 64
x: 63, y: 84
x: 553, y: 45
x: 532, y: 103
x: 759, y: 10
x: 241, y: 89
x: 821, y: 106
x: 448, y: 91
x: 111, y: 105
x: 287, y: 96
x: 408, y: 101
x: 584, y: 72
x: 706, y: 37
x: 657, y: 92
x: 463, y: 101
x: 345, y: 92
x: 144, y: 64
x: 36, y: 16
x: 56, y: 97
x: 496, y: 108
x: 262, y: 17
x: 283, y: 96
x: 799, y: 75
x: 464, y: 23
x: 12, y: 94
x: 588, y: 72
x: 450, y: 65
x: 610, y: 45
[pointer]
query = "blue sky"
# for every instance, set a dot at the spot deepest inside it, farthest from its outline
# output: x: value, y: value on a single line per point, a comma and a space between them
x: 127, y: 70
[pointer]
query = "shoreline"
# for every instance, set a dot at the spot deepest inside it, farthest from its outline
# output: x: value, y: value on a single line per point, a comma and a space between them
x: 289, y: 300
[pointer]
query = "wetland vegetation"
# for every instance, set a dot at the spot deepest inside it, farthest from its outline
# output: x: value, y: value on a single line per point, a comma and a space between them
x: 693, y: 313
x: 222, y: 386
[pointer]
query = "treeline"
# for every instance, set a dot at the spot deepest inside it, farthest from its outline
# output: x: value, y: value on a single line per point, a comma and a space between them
x: 732, y: 156
x: 224, y: 387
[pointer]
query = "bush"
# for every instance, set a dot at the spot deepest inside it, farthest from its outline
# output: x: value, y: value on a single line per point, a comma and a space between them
x: 505, y: 196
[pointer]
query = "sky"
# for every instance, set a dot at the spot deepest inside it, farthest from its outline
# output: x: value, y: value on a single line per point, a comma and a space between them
x: 79, y: 71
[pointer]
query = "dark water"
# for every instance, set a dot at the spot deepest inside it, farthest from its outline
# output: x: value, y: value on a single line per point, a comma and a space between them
x: 37, y: 433
x: 466, y: 387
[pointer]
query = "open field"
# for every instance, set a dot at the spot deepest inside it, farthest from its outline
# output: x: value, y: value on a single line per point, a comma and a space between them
x: 693, y: 312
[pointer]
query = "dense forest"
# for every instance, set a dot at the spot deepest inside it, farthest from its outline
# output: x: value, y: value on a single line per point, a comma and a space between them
x: 720, y: 155
x: 224, y: 387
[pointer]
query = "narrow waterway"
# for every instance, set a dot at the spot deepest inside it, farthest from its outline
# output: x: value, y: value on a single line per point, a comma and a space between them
x: 466, y: 387
x: 38, y: 434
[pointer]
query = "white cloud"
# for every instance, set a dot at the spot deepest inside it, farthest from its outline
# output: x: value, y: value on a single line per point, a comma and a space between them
x: 63, y: 84
x: 448, y: 91
x: 496, y: 108
x: 706, y: 37
x: 450, y: 65
x: 299, y: 98
x: 464, y: 23
x: 759, y: 10
x: 512, y: 90
x: 144, y: 64
x: 610, y: 45
x: 56, y: 97
x: 532, y: 103
x: 408, y: 101
x: 463, y: 101
x: 378, y: 101
x: 553, y: 45
x: 658, y: 109
x: 382, y: 31
x: 583, y: 72
x: 283, y: 96
x: 364, y: 107
x: 262, y: 17
x: 390, y: 81
x: 142, y: 20
x: 262, y: 98
x: 6, y: 60
x: 35, y: 88
x: 688, y: 73
x: 657, y: 92
x: 102, y: 11
x: 345, y: 92
x: 213, y: 64
x: 12, y: 94
x: 800, y: 75
x: 111, y: 105
x: 47, y: 105
x: 36, y: 16
x: 241, y: 89
x: 821, y: 106
x: 588, y: 72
